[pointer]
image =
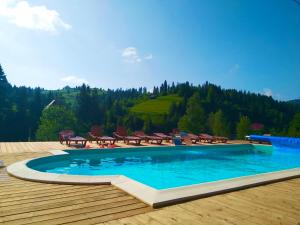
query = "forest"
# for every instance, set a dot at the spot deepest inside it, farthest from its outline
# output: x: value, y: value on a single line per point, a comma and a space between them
x: 27, y: 115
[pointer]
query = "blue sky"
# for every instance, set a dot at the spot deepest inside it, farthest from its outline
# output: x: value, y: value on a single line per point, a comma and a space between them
x: 248, y: 45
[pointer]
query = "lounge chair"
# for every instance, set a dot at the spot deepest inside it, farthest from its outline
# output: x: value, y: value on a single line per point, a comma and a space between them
x: 77, y: 140
x: 69, y: 136
x: 188, y: 138
x: 64, y: 135
x: 96, y: 135
x: 209, y: 138
x: 165, y: 137
x: 221, y: 139
x: 193, y: 137
x: 148, y: 138
x: 121, y: 134
x: 206, y: 138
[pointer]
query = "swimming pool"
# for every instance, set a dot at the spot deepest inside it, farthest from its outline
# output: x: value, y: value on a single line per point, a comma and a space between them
x: 172, y: 167
x: 162, y: 176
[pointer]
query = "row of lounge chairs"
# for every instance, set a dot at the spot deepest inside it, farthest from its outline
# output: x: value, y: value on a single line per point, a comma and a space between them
x: 137, y: 137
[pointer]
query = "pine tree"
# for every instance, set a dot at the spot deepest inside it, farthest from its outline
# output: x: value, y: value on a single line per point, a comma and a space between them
x: 243, y: 127
x: 219, y: 124
x: 294, y: 129
x: 3, y: 79
x: 36, y: 108
x: 6, y: 113
x: 194, y: 118
x: 54, y: 120
x: 88, y: 110
x: 22, y: 121
x: 148, y: 127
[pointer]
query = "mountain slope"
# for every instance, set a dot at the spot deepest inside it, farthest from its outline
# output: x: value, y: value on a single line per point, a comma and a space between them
x: 295, y: 101
x: 160, y: 105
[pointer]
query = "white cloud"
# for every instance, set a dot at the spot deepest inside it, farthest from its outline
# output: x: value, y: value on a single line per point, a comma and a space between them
x: 235, y: 68
x: 148, y: 57
x: 267, y: 91
x: 73, y: 80
x: 130, y: 55
x: 22, y: 14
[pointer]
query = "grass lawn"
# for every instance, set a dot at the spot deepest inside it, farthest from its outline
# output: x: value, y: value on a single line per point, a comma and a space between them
x: 160, y: 105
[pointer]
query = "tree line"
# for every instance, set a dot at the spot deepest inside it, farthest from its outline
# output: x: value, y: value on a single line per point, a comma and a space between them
x: 205, y: 108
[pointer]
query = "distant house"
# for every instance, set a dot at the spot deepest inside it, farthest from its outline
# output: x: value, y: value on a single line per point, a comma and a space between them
x: 257, y: 126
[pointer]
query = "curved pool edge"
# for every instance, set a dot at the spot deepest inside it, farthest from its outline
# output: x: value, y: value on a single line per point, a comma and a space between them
x: 155, y: 198
x: 22, y: 171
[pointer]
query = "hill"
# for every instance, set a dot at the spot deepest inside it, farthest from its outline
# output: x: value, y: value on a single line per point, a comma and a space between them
x: 295, y: 101
x: 160, y: 105
x: 155, y: 109
x: 68, y: 95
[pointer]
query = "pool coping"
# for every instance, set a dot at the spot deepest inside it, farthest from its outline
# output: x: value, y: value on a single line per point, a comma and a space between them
x: 154, y: 197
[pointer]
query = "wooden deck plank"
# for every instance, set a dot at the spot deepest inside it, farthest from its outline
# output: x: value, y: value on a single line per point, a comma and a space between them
x: 177, y: 215
x: 112, y: 214
x: 143, y: 219
x: 61, y: 213
x: 53, y: 202
x: 8, y: 149
x: 2, y: 147
x: 23, y: 147
x: 52, y: 195
x: 290, y: 201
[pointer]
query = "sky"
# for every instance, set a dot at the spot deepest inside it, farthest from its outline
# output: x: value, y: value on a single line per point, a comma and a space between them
x: 247, y: 45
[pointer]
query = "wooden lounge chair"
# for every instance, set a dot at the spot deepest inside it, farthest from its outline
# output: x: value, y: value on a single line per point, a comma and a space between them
x: 148, y: 138
x: 69, y: 136
x: 221, y: 139
x: 206, y: 138
x: 193, y: 137
x: 77, y: 140
x: 209, y: 139
x: 64, y: 135
x: 165, y: 137
x: 121, y: 134
x: 96, y: 135
x: 187, y: 138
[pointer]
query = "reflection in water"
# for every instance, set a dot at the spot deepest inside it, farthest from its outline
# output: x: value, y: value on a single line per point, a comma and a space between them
x: 94, y: 162
x: 99, y: 162
x: 78, y: 162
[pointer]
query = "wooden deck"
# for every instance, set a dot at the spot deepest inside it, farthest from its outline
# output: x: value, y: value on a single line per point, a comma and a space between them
x: 24, y: 202
x: 21, y: 147
x: 277, y: 204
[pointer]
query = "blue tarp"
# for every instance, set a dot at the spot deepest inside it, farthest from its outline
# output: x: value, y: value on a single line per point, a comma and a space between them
x: 279, y: 142
x: 260, y: 138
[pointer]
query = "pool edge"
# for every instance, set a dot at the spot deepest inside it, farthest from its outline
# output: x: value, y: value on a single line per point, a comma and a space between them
x: 155, y: 198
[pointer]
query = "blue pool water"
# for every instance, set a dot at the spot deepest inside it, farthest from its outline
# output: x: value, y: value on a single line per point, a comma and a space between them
x: 169, y: 167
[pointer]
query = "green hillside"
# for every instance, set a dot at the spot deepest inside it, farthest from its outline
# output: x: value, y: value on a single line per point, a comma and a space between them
x: 68, y: 95
x: 159, y: 106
